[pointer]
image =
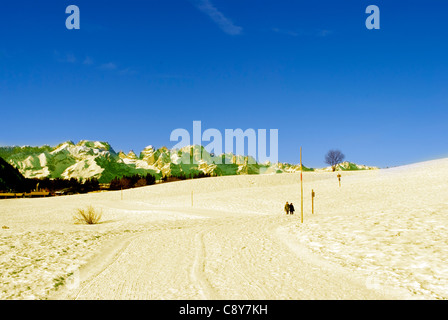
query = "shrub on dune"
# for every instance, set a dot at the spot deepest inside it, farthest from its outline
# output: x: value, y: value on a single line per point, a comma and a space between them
x: 88, y: 216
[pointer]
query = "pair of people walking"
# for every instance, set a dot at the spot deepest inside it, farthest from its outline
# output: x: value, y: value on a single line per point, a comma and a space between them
x: 289, y: 208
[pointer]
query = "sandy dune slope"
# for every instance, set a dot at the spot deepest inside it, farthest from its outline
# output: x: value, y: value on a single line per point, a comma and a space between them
x: 381, y: 235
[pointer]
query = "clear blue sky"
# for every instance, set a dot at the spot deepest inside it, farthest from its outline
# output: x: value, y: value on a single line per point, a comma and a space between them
x: 136, y: 70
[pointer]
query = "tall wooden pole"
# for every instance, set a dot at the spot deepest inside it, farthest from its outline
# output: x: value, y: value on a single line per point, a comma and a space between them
x: 301, y: 187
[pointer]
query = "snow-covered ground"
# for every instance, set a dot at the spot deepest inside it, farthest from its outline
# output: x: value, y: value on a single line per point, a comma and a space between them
x: 381, y: 235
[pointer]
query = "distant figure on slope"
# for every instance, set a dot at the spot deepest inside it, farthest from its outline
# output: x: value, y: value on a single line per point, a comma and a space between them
x: 287, y: 207
x: 291, y: 208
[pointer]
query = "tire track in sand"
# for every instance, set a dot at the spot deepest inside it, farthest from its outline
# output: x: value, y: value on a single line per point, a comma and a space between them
x: 227, y: 257
x: 198, y: 275
x: 165, y: 263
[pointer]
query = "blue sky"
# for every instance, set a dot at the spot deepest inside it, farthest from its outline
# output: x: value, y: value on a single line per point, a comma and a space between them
x: 136, y: 70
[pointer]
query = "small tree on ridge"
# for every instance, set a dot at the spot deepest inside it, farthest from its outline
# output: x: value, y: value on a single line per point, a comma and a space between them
x: 333, y: 158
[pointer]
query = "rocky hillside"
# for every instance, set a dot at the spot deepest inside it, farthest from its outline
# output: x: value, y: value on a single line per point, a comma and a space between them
x: 94, y: 159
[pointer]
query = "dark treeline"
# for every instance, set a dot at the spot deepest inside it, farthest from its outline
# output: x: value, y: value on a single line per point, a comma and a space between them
x: 133, y: 181
x: 63, y: 186
x: 137, y: 180
x: 183, y: 176
x: 67, y: 186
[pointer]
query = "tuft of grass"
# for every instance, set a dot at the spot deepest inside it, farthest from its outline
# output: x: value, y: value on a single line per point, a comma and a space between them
x: 89, y: 215
x: 59, y: 282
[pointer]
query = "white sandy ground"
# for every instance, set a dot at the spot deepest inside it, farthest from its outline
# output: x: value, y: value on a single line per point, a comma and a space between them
x: 382, y: 235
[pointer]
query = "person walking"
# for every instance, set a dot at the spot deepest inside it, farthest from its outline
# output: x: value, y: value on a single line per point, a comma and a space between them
x: 287, y: 207
x: 291, y: 208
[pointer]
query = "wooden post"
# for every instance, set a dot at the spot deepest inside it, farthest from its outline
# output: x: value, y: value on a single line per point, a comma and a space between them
x: 301, y: 188
x: 339, y: 178
x: 312, y: 201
